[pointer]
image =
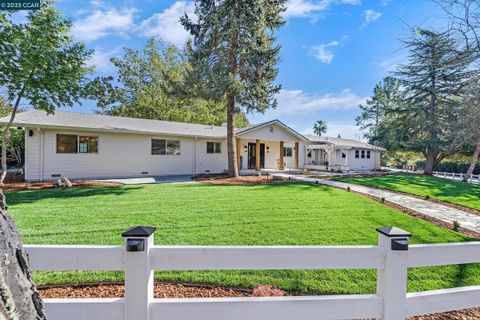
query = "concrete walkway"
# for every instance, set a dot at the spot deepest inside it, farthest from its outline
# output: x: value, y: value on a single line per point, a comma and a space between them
x: 448, y: 214
x: 152, y: 180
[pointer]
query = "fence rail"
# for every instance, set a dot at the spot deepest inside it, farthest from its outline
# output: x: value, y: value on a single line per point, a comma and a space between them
x: 139, y: 258
x: 474, y: 178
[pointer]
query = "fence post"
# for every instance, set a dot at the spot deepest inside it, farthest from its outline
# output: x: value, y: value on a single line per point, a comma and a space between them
x: 138, y: 274
x: 392, y: 277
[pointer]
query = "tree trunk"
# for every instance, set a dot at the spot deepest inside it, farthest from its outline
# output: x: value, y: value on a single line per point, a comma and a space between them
x: 231, y: 144
x: 473, y: 164
x: 430, y: 162
x: 19, y: 296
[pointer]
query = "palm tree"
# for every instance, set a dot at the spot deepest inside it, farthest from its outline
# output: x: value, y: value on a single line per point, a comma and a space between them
x: 320, y: 127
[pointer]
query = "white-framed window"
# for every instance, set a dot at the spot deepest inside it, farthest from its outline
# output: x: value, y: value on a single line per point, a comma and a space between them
x: 73, y: 143
x: 287, y: 151
x: 344, y: 155
x: 214, y: 147
x: 165, y: 147
x: 357, y: 154
x: 309, y: 154
x: 368, y: 154
x: 363, y: 154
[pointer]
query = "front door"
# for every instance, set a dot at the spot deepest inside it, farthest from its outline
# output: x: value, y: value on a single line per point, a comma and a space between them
x: 252, y: 157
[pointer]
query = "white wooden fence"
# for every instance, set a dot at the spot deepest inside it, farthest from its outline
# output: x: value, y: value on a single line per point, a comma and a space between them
x: 139, y: 258
x: 475, y: 178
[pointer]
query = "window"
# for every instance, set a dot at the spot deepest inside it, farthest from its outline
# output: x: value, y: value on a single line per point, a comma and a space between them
x: 357, y: 154
x: 368, y: 154
x: 214, y: 147
x: 70, y: 143
x: 165, y: 147
x: 88, y: 144
x: 66, y: 143
x: 287, y: 152
x: 344, y: 155
x: 363, y: 154
x: 309, y: 154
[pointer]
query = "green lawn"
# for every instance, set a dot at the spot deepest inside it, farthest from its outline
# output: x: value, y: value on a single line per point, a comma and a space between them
x: 280, y: 214
x: 457, y: 192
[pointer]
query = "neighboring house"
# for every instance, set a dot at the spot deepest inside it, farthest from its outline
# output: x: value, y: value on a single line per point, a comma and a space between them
x: 87, y: 146
x: 337, y: 154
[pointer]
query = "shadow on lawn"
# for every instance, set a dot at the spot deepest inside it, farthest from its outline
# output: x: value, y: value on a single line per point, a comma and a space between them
x: 30, y: 196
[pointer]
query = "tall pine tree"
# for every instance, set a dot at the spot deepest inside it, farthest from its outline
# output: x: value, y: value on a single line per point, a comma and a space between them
x: 434, y: 78
x: 233, y: 51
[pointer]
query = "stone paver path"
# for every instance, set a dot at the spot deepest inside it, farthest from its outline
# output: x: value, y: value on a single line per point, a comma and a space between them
x: 448, y: 214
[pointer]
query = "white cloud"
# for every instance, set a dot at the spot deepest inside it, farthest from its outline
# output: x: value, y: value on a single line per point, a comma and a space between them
x: 166, y: 24
x: 370, y: 16
x: 101, y: 59
x: 104, y: 21
x: 391, y: 64
x: 386, y: 2
x: 308, y: 8
x: 322, y: 53
x: 295, y: 102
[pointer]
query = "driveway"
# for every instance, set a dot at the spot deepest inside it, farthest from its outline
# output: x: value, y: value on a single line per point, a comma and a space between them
x: 152, y: 180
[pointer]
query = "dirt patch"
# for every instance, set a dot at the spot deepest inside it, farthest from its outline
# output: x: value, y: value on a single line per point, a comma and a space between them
x: 161, y: 290
x: 223, y: 179
x: 175, y: 290
x: 467, y: 314
x: 24, y: 185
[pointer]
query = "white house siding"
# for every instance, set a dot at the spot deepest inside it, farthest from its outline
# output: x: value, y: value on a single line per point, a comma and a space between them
x: 271, y: 132
x: 119, y: 155
x: 364, y: 164
x: 32, y: 154
x: 210, y: 162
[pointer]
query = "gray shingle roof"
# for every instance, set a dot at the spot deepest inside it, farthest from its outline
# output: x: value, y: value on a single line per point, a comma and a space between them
x: 85, y: 121
x: 341, y: 142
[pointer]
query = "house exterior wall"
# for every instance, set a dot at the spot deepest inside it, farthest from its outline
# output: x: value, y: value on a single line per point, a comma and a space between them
x: 364, y: 164
x: 119, y: 155
x: 335, y: 160
x: 129, y: 155
x: 271, y: 132
x: 33, y: 154
x: 210, y: 162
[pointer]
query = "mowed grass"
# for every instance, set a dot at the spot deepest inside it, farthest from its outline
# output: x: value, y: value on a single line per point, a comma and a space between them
x: 188, y: 214
x: 456, y: 192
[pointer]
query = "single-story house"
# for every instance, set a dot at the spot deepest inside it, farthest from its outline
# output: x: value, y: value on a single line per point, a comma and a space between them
x: 91, y: 146
x: 338, y: 154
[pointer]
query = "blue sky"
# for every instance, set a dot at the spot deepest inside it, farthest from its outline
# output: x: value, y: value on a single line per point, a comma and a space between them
x: 333, y: 51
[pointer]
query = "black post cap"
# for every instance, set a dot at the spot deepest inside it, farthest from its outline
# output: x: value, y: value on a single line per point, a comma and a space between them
x: 139, y: 231
x: 393, y: 232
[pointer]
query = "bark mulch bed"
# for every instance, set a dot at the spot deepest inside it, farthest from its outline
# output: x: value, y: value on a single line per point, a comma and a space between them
x: 223, y: 179
x: 24, y: 185
x: 174, y: 290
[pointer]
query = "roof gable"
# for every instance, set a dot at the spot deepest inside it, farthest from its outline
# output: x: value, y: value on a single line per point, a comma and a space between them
x: 262, y: 129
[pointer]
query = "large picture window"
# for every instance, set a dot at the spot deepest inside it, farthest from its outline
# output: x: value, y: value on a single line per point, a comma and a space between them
x: 72, y: 143
x: 214, y: 147
x: 66, y: 143
x: 165, y: 147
